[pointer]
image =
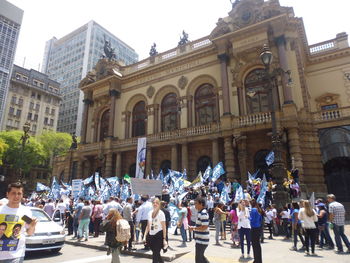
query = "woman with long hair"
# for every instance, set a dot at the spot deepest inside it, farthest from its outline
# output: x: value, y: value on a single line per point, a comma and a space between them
x: 309, y: 217
x: 234, y: 226
x: 296, y: 226
x: 256, y: 219
x: 109, y: 225
x: 218, y: 211
x: 156, y: 231
x: 244, y: 226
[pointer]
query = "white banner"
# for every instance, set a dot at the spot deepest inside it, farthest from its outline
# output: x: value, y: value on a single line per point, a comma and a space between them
x: 76, y: 186
x: 140, y: 158
x: 146, y: 187
x: 174, y: 215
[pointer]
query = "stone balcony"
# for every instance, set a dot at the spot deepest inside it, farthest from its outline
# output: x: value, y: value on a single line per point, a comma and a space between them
x: 331, y: 115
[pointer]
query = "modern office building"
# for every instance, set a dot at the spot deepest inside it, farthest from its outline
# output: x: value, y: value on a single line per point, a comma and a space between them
x: 10, y: 24
x: 68, y: 59
x: 211, y: 100
x: 33, y: 97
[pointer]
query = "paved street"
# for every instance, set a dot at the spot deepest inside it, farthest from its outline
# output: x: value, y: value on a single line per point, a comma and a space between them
x: 275, y: 250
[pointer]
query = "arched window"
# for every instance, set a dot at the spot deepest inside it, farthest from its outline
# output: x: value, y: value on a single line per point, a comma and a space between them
x: 104, y: 124
x: 165, y: 166
x: 169, y: 109
x: 256, y: 88
x: 205, y: 105
x: 260, y: 163
x: 139, y: 115
x: 203, y: 163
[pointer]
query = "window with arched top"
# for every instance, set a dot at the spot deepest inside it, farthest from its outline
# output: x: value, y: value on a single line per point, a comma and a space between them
x: 104, y: 124
x: 139, y: 115
x: 169, y: 112
x: 256, y: 90
x: 205, y: 105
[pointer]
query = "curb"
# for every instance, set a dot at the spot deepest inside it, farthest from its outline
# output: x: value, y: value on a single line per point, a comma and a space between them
x: 138, y: 253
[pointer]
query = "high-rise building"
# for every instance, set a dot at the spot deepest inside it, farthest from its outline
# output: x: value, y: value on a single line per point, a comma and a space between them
x: 68, y: 59
x: 33, y: 98
x: 10, y: 24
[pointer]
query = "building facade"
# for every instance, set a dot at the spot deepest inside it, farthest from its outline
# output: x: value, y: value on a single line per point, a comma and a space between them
x: 207, y: 101
x: 33, y: 97
x: 68, y: 59
x: 10, y: 25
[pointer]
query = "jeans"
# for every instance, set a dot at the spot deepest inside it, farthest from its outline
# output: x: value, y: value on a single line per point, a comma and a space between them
x: 191, y: 234
x: 217, y: 230
x: 325, y: 237
x: 115, y: 255
x: 75, y: 226
x: 13, y: 260
x: 132, y: 233
x: 269, y: 225
x: 183, y: 233
x: 255, y: 234
x: 296, y: 233
x: 244, y: 232
x: 200, y: 249
x: 310, y: 238
x: 339, y: 235
x: 84, y: 228
x: 285, y: 224
x: 97, y: 223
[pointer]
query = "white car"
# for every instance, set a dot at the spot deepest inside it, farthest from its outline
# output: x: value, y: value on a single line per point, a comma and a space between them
x: 48, y: 234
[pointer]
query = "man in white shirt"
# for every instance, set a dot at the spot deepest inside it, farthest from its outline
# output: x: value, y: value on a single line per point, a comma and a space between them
x: 142, y: 214
x: 113, y: 203
x: 14, y: 228
x: 49, y: 208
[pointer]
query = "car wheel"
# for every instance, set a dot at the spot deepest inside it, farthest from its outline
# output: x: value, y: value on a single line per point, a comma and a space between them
x: 56, y: 250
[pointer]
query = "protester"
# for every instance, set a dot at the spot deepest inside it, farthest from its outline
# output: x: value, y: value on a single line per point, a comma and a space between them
x: 11, y: 219
x: 308, y: 216
x: 285, y: 215
x: 244, y: 227
x: 166, y: 212
x: 234, y: 226
x: 296, y: 227
x: 337, y: 218
x: 193, y: 218
x: 217, y: 221
x: 84, y: 220
x: 96, y: 217
x: 49, y: 208
x: 201, y: 230
x: 256, y: 219
x: 110, y: 227
x: 128, y: 215
x: 182, y: 221
x: 142, y: 215
x: 325, y: 238
x: 269, y: 216
x: 156, y: 228
x: 76, y: 216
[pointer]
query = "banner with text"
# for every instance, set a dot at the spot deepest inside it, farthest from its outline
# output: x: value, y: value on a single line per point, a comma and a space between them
x: 146, y: 187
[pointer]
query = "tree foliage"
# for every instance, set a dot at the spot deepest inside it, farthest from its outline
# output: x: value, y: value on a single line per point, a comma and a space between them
x: 16, y: 156
x: 3, y: 148
x: 55, y: 143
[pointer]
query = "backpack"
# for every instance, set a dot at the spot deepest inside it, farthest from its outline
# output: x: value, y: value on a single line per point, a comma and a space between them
x: 123, y: 231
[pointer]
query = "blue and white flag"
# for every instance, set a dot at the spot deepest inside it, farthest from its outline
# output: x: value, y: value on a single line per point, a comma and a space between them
x: 208, y: 172
x: 218, y: 171
x: 239, y: 194
x: 124, y: 192
x: 41, y: 187
x: 181, y: 196
x: 166, y: 178
x: 88, y: 180
x: 263, y: 189
x: 140, y: 158
x: 152, y: 177
x: 97, y: 181
x: 174, y: 217
x: 115, y: 186
x: 160, y: 176
x: 270, y: 158
x: 55, y: 189
x: 224, y: 197
x: 184, y: 174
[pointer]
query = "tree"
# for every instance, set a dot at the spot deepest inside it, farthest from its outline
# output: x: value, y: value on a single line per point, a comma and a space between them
x: 3, y: 148
x: 15, y: 156
x: 55, y: 143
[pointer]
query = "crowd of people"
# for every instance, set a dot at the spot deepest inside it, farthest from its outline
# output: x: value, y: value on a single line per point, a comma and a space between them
x: 149, y: 221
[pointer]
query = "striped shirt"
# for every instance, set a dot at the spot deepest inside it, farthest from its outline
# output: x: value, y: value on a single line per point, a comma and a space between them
x: 202, y: 237
x: 338, y: 211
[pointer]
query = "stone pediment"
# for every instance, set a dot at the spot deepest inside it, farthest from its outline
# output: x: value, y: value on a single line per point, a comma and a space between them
x: 103, y: 69
x: 248, y: 12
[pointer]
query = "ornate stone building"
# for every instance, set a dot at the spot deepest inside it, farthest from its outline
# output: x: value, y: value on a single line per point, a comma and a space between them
x: 206, y: 101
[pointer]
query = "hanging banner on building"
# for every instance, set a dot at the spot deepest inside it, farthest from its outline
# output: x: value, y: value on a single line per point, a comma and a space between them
x: 76, y: 187
x: 140, y: 158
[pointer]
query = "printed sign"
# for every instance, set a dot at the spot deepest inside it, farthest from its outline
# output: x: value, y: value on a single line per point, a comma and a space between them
x: 10, y: 231
x: 146, y: 187
x: 76, y: 187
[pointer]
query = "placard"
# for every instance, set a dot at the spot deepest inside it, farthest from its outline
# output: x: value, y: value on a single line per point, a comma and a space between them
x: 146, y: 187
x: 76, y: 186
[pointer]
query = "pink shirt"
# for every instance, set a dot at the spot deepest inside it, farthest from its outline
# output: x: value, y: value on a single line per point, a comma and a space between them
x: 98, y: 210
x: 234, y: 218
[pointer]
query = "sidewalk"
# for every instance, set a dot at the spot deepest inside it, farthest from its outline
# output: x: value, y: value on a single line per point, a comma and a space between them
x: 276, y: 250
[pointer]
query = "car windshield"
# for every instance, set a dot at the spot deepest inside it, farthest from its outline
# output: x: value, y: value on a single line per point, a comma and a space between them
x: 40, y: 216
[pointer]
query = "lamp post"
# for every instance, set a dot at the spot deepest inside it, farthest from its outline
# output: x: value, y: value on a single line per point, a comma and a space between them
x: 23, y: 141
x: 278, y: 168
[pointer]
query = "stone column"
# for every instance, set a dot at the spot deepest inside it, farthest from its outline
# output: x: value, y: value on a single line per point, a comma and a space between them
x: 215, y: 151
x: 242, y: 157
x: 174, y: 157
x: 184, y: 113
x: 189, y: 111
x: 156, y: 118
x: 108, y: 168
x: 287, y: 91
x: 224, y: 58
x: 127, y: 124
x: 87, y: 102
x: 148, y: 161
x: 114, y: 94
x: 295, y: 149
x: 229, y: 158
x: 184, y: 155
x: 80, y: 169
x: 118, y: 165
x: 150, y: 119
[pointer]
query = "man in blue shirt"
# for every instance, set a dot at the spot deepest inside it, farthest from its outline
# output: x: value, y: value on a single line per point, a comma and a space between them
x: 255, y: 223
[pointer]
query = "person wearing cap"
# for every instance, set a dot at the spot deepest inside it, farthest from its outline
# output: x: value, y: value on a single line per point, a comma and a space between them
x: 323, y: 226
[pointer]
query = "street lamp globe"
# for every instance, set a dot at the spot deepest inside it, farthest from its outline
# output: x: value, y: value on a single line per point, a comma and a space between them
x: 26, y: 127
x: 266, y: 56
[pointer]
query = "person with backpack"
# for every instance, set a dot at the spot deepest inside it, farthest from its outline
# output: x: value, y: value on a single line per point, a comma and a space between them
x: 156, y: 231
x: 109, y: 225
